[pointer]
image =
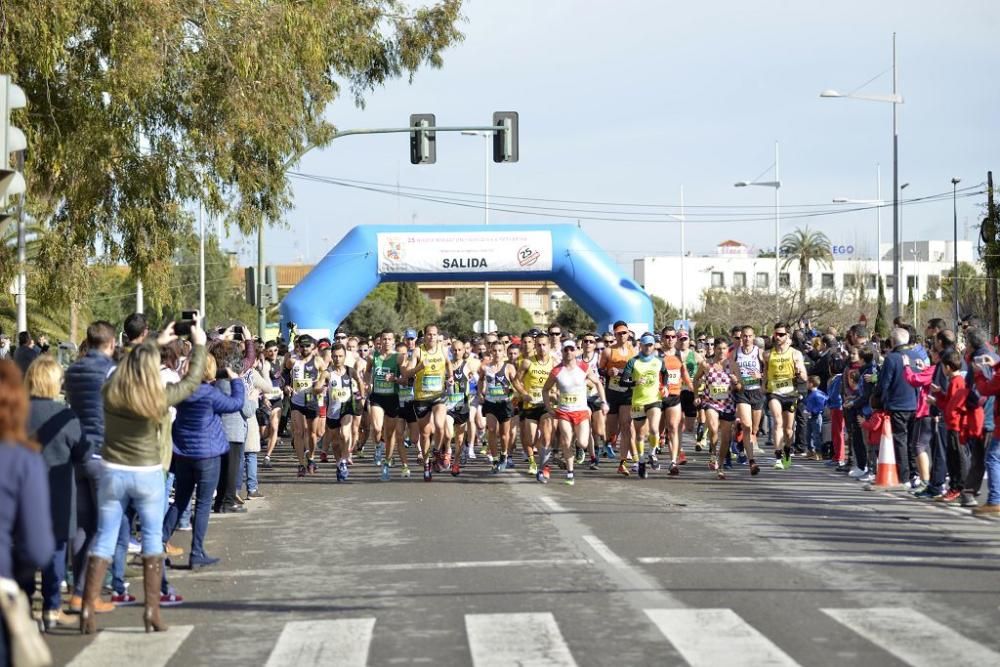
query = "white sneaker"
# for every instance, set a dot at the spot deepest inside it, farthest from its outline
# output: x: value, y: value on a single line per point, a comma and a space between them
x: 868, y: 477
x: 857, y: 473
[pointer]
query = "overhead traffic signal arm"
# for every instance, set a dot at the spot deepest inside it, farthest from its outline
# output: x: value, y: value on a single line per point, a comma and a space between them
x: 12, y: 140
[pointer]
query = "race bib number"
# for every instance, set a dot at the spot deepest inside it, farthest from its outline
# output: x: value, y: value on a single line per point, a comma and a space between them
x: 638, y: 412
x: 750, y: 382
x: 341, y: 394
x: 496, y: 391
x: 384, y: 387
x: 616, y: 384
x: 456, y: 398
x: 536, y: 396
x: 674, y: 377
x: 405, y: 394
x: 432, y: 383
x: 718, y: 391
x: 784, y: 386
x: 568, y: 400
x: 301, y: 385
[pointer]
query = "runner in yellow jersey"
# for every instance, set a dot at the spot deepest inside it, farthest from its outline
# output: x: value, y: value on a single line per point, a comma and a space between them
x: 783, y: 365
x: 430, y: 371
x: 529, y: 382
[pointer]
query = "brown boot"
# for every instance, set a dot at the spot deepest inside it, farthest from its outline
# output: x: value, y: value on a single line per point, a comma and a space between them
x: 152, y: 576
x: 96, y: 569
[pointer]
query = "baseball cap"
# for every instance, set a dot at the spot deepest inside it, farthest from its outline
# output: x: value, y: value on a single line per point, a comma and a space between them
x: 305, y: 339
x: 569, y: 343
x: 323, y: 344
x: 515, y: 340
x: 647, y: 339
x: 410, y: 333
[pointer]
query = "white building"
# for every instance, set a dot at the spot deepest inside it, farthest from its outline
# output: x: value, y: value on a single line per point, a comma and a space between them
x: 735, y: 266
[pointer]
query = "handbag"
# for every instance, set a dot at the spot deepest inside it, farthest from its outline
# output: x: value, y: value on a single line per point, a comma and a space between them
x: 27, y: 648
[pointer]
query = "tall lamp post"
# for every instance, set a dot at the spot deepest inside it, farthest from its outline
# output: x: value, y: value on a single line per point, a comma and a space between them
x: 895, y: 100
x: 954, y: 246
x: 776, y: 184
x: 487, y: 138
x: 879, y: 203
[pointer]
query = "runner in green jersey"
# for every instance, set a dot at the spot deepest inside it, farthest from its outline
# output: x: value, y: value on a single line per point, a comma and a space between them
x: 642, y: 373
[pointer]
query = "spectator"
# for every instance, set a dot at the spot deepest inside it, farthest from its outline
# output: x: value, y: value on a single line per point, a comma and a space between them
x: 955, y: 411
x: 135, y: 408
x: 84, y: 380
x: 267, y: 392
x: 199, y: 445
x: 981, y: 408
x: 26, y: 541
x: 898, y: 398
x: 229, y: 357
x: 836, y: 406
x: 56, y: 428
x: 4, y: 345
x: 26, y: 351
x: 988, y: 384
x: 815, y: 404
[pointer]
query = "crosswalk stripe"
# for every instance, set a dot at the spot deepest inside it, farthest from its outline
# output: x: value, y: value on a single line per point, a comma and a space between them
x: 539, y: 642
x: 914, y: 638
x: 709, y: 637
x: 342, y: 642
x: 120, y: 647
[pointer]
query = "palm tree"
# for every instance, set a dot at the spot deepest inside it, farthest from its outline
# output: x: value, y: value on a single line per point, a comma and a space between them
x: 805, y: 246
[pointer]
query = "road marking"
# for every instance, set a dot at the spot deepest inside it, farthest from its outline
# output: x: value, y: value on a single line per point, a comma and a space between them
x: 552, y: 505
x: 116, y: 647
x: 538, y: 640
x: 342, y: 642
x: 603, y: 550
x: 391, y: 567
x: 825, y: 558
x: 710, y: 637
x: 914, y: 638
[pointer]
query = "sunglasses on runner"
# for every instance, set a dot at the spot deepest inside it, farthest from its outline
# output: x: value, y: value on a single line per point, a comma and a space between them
x: 621, y: 332
x: 780, y: 334
x: 668, y: 336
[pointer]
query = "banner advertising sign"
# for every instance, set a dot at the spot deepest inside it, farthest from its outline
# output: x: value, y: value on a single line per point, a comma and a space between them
x: 464, y: 252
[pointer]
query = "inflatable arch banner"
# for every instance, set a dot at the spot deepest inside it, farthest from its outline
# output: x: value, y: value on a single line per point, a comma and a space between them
x: 370, y: 254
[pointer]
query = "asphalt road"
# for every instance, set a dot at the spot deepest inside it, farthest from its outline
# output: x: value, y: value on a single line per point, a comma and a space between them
x: 795, y: 567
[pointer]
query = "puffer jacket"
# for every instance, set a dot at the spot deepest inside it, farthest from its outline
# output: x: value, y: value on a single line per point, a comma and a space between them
x: 197, y: 430
x: 234, y: 424
x: 84, y: 380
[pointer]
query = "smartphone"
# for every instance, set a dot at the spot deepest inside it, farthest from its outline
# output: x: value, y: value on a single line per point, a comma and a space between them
x: 237, y: 334
x: 984, y: 360
x: 191, y: 315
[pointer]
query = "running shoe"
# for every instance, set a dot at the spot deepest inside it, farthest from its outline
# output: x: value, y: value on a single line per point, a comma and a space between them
x: 712, y: 463
x: 609, y: 451
x: 779, y: 465
x: 697, y: 445
x: 926, y: 493
x: 379, y: 453
x: 407, y: 443
x: 404, y: 471
x: 464, y: 459
x: 951, y: 496
x: 311, y: 467
x: 654, y: 463
x: 754, y: 468
x: 594, y: 465
x: 342, y: 471
x: 456, y: 468
x: 546, y: 472
x: 446, y: 461
x: 483, y: 451
x: 532, y: 466
x: 786, y: 463
x: 634, y: 468
x: 674, y: 470
x: 428, y: 471
x: 385, y: 471
x: 681, y: 458
x: 642, y: 470
x: 302, y: 471
x: 501, y: 463
x: 495, y: 467
x: 919, y: 488
x: 857, y: 473
x: 742, y: 458
x: 728, y: 463
x: 123, y: 599
x: 171, y: 599
x: 541, y: 478
x: 623, y: 469
x: 581, y: 455
x: 323, y: 457
x: 509, y: 464
x: 721, y: 474
x: 869, y: 477
x: 570, y: 481
x: 267, y: 462
x: 844, y: 467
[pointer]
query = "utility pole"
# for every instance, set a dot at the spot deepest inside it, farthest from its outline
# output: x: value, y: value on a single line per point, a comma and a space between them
x: 991, y: 239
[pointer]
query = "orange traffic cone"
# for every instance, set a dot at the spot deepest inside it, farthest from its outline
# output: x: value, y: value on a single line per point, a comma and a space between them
x: 887, y: 475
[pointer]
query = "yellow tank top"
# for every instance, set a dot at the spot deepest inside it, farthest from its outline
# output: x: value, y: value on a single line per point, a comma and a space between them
x: 781, y: 372
x: 428, y: 383
x: 536, y: 375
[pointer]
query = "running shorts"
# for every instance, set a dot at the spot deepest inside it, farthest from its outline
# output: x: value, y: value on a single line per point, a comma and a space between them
x: 336, y: 423
x: 671, y: 402
x: 408, y: 412
x: 639, y: 411
x: 753, y: 397
x: 618, y: 399
x: 388, y: 402
x: 460, y: 416
x: 423, y: 408
x: 503, y: 411
x: 310, y: 413
x: 594, y: 402
x: 573, y: 416
x: 687, y: 403
x: 532, y: 412
x: 788, y: 401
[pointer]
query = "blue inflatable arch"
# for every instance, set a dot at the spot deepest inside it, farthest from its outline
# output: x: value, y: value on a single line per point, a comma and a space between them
x: 370, y: 254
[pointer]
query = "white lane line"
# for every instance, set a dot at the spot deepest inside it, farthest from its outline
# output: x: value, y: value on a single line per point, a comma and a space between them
x: 119, y: 647
x: 390, y: 567
x: 538, y: 640
x: 711, y: 637
x: 552, y: 505
x: 603, y: 550
x: 914, y: 638
x: 832, y: 558
x: 343, y: 642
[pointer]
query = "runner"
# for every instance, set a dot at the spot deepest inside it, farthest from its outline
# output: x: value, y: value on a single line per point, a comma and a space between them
x: 406, y: 426
x: 358, y: 426
x: 271, y: 369
x: 676, y: 380
x: 430, y: 371
x: 783, y: 365
x: 619, y: 397
x: 342, y: 405
x: 529, y: 383
x: 642, y: 373
x: 693, y: 360
x: 459, y: 406
x: 719, y: 380
x: 380, y: 382
x: 749, y: 366
x: 496, y: 377
x: 304, y: 367
x: 571, y: 378
x: 597, y: 442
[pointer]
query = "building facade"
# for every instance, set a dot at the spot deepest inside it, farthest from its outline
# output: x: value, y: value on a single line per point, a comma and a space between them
x: 735, y: 267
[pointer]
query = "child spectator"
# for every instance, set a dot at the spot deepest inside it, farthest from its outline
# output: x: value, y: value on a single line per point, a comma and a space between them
x: 835, y: 403
x: 954, y: 410
x: 872, y: 427
x: 815, y: 403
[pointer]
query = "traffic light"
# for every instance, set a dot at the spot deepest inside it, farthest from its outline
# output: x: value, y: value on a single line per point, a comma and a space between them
x: 12, y: 140
x: 250, y: 284
x: 505, y: 139
x: 271, y: 285
x: 423, y: 145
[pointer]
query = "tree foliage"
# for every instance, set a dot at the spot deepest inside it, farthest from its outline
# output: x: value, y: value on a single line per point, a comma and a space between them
x: 458, y: 316
x: 572, y: 317
x: 881, y: 318
x: 140, y: 109
x: 803, y: 247
x: 415, y: 309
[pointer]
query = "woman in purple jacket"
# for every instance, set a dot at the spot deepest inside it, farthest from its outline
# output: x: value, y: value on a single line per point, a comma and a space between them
x: 199, y: 445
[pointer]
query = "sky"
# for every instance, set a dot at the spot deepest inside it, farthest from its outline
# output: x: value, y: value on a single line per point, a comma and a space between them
x: 629, y: 101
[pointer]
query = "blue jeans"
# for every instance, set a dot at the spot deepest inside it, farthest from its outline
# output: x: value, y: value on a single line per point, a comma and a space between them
x: 190, y: 472
x: 248, y: 472
x: 815, y: 431
x: 993, y: 470
x: 185, y: 521
x: 121, y: 551
x: 144, y: 489
x: 53, y: 574
x: 88, y: 480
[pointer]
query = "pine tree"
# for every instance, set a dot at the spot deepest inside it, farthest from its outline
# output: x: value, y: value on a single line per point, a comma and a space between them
x: 881, y: 328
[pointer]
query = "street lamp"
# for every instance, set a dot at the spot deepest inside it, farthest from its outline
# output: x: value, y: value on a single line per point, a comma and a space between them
x: 954, y: 245
x: 776, y: 184
x: 895, y: 100
x: 879, y: 203
x: 487, y: 138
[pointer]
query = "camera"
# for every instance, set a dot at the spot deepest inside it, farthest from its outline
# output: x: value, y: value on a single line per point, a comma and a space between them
x: 189, y: 318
